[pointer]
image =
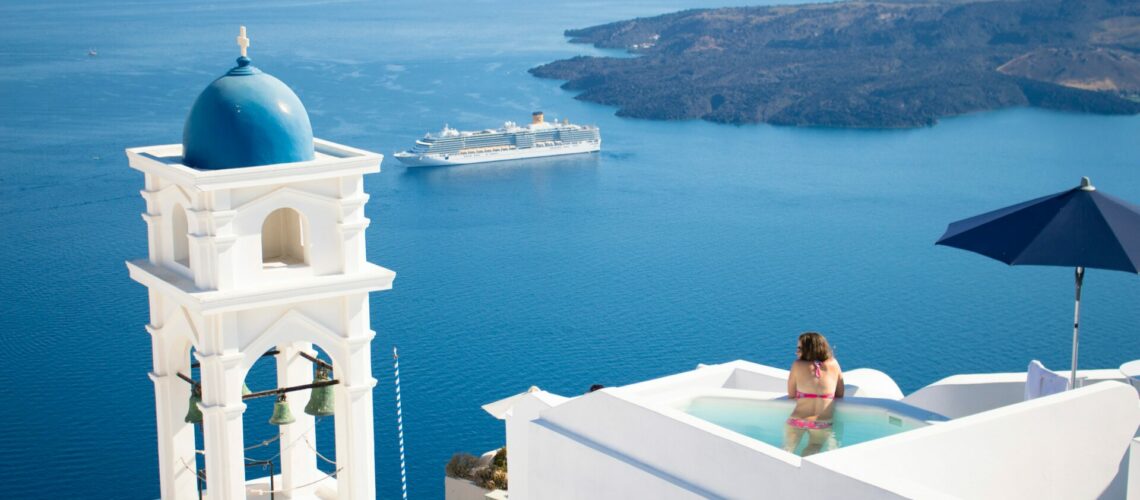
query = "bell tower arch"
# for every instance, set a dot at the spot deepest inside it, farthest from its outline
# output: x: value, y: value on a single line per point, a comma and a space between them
x: 256, y: 244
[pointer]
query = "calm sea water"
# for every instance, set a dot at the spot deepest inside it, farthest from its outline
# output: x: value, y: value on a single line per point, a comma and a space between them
x: 681, y: 243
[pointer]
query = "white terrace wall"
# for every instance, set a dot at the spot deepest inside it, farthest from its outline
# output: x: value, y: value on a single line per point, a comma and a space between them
x: 608, y: 444
x: 1065, y: 446
x: 648, y: 454
x: 961, y: 395
x: 567, y: 467
x: 525, y: 410
x: 705, y: 376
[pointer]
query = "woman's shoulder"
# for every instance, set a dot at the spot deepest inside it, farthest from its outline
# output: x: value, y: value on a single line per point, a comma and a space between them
x: 799, y: 365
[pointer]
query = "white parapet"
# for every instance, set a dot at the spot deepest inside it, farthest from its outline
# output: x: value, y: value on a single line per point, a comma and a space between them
x: 1067, y: 445
x: 962, y: 395
x: 637, y: 442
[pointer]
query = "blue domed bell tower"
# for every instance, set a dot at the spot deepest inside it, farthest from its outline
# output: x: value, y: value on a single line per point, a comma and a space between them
x: 246, y: 118
x: 256, y: 250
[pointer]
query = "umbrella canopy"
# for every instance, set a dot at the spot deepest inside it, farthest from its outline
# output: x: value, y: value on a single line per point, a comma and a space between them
x: 1079, y: 228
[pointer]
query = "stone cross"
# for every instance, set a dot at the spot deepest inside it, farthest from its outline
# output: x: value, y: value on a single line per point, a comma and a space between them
x: 243, y: 42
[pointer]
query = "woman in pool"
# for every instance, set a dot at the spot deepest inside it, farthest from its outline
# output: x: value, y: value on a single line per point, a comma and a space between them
x: 814, y: 381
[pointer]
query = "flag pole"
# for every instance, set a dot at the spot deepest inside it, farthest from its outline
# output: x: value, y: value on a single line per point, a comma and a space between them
x: 400, y: 426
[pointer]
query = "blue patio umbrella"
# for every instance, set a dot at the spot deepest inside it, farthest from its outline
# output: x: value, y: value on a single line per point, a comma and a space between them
x: 1079, y: 228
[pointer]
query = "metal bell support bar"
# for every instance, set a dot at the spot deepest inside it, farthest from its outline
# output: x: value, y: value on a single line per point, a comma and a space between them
x: 320, y: 362
x: 321, y: 401
x: 272, y: 392
x: 189, y: 380
x: 283, y: 390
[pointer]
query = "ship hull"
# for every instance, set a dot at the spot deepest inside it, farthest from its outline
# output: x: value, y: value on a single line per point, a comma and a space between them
x: 437, y: 160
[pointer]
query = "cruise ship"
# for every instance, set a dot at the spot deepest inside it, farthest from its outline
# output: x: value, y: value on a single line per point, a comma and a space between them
x: 511, y: 142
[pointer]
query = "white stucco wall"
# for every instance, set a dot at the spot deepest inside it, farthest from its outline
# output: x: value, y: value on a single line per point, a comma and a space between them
x: 674, y: 456
x: 627, y: 442
x: 1064, y: 446
x: 962, y: 395
x: 211, y: 288
x: 462, y: 489
x: 522, y: 414
x: 565, y: 467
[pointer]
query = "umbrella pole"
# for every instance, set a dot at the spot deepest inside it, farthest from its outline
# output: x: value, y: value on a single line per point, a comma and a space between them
x: 1080, y: 275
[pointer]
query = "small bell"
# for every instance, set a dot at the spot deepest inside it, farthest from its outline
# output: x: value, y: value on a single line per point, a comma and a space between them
x: 281, y: 413
x: 194, y: 414
x: 245, y: 389
x: 320, y: 398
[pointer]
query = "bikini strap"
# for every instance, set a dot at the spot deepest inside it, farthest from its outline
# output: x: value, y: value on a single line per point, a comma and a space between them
x: 815, y: 369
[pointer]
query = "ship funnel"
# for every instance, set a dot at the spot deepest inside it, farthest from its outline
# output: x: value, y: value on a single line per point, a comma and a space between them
x: 536, y: 117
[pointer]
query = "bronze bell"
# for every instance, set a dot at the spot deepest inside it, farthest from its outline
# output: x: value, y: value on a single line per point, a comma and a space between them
x: 194, y: 414
x: 320, y: 398
x: 281, y: 413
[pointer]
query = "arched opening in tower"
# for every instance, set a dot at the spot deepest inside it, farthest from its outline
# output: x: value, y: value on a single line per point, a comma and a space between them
x: 284, y: 241
x: 290, y: 438
x: 179, y: 236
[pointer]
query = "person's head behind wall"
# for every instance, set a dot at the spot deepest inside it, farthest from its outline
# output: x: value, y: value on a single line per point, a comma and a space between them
x: 813, y: 347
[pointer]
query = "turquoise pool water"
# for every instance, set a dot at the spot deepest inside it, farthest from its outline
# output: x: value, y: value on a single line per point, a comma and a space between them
x: 764, y: 420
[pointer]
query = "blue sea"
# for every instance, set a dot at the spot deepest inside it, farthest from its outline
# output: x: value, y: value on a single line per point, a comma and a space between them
x: 680, y: 243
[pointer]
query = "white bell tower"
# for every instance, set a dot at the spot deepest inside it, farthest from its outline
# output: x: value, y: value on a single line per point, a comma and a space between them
x: 256, y: 242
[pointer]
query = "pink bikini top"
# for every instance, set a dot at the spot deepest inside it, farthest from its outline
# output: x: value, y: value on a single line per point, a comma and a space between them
x: 817, y: 371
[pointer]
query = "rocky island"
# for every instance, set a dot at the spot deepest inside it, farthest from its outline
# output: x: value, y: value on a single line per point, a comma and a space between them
x: 883, y: 64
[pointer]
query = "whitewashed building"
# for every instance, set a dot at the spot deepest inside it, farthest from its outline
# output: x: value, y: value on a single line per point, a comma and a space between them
x: 255, y: 244
x: 714, y: 432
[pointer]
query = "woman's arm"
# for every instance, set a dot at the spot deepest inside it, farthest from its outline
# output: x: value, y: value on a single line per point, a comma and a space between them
x: 792, y: 381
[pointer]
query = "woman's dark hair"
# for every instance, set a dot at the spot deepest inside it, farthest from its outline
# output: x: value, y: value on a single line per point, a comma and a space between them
x: 813, y: 347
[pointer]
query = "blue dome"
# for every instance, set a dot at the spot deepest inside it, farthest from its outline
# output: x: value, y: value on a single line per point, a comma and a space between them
x: 244, y: 119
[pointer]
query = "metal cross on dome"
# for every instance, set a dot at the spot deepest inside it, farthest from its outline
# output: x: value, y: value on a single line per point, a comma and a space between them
x: 243, y: 42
